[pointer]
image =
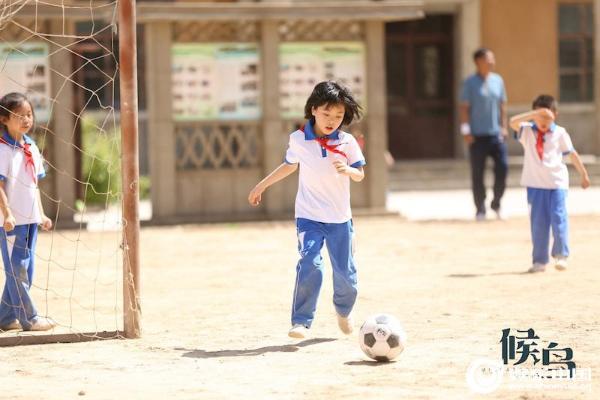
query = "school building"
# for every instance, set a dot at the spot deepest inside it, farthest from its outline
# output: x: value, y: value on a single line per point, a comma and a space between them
x: 222, y: 85
x: 541, y: 46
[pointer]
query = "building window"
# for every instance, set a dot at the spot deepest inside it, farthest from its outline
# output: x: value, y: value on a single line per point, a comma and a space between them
x: 576, y: 52
x: 96, y: 63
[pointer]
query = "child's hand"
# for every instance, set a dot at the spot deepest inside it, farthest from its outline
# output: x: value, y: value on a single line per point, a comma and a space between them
x: 545, y: 113
x: 341, y: 167
x: 46, y: 223
x: 585, y: 182
x: 255, y: 195
x: 9, y: 223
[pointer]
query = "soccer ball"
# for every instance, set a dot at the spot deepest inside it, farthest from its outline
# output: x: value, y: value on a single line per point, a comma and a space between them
x: 381, y: 337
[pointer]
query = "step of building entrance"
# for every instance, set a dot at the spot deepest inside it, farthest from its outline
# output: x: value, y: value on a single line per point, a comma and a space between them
x: 450, y: 174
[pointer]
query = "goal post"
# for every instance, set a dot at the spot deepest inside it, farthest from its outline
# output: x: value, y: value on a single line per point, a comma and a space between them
x: 130, y: 169
x: 87, y: 268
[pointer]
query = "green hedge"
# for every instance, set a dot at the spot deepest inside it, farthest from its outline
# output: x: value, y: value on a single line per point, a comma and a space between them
x: 101, y: 165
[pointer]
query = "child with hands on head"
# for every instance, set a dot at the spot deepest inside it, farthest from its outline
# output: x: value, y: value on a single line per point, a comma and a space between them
x: 547, y: 179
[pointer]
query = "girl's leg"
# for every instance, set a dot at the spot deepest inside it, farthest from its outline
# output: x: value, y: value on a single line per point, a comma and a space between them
x: 309, y: 271
x: 17, y: 258
x: 339, y: 245
x: 31, y: 243
x: 539, y: 215
x: 560, y: 223
x: 7, y: 310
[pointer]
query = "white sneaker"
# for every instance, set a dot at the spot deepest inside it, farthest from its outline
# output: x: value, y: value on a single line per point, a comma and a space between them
x: 499, y: 214
x: 42, y: 324
x: 479, y: 217
x: 345, y: 324
x: 537, y: 268
x: 11, y: 327
x: 561, y: 263
x: 298, y: 331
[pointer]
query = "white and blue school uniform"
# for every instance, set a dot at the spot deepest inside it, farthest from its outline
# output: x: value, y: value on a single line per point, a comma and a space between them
x: 323, y: 215
x: 20, y: 168
x: 547, y: 183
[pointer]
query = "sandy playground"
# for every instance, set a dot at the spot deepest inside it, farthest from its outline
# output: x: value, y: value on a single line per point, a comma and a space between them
x: 216, y: 301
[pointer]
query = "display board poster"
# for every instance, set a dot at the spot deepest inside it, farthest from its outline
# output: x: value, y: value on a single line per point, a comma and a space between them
x: 304, y: 64
x: 24, y: 68
x: 215, y: 81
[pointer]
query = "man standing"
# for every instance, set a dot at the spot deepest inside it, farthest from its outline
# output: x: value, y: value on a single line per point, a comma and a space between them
x: 484, y: 126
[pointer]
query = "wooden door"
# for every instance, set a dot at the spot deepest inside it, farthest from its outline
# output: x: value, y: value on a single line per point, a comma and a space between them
x: 420, y: 88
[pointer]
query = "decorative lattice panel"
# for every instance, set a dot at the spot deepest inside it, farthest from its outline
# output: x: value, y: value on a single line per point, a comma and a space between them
x: 20, y: 29
x: 218, y: 145
x: 209, y: 31
x: 357, y: 129
x: 309, y: 30
x: 292, y: 125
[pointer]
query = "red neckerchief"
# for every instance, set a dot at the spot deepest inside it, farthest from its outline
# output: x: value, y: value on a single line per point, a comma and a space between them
x: 29, y: 163
x: 322, y: 140
x: 539, y: 143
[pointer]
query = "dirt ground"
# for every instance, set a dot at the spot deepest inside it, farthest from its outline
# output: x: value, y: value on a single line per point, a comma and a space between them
x: 216, y: 305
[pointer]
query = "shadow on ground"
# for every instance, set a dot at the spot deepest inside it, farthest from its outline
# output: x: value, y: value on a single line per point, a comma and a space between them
x: 369, y: 363
x: 288, y: 348
x: 482, y: 275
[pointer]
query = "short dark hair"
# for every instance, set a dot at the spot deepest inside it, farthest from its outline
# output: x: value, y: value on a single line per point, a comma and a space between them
x: 330, y: 93
x: 545, y: 101
x: 10, y: 102
x: 480, y: 53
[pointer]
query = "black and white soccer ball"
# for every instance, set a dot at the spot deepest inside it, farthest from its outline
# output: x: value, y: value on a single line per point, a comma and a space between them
x: 381, y: 337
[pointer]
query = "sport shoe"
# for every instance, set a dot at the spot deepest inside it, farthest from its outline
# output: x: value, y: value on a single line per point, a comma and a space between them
x: 499, y: 214
x: 11, y: 327
x: 298, y: 331
x: 345, y: 324
x: 537, y: 268
x: 479, y: 217
x: 42, y: 324
x: 561, y: 263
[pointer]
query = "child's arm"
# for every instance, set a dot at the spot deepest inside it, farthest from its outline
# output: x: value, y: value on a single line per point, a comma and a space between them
x: 576, y: 160
x: 46, y: 222
x: 517, y: 120
x: 356, y: 174
x: 9, y: 219
x: 278, y: 174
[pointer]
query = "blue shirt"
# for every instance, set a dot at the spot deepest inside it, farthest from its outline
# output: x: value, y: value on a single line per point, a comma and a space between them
x: 484, y: 98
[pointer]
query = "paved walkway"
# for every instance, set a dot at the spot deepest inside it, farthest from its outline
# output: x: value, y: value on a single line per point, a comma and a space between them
x: 458, y: 204
x: 423, y: 205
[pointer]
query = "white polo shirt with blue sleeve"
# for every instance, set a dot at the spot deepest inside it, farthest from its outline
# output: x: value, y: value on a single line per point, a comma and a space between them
x: 323, y: 194
x: 550, y: 172
x: 19, y: 185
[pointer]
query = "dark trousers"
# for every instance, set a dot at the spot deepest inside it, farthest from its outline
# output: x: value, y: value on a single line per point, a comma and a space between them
x: 479, y: 150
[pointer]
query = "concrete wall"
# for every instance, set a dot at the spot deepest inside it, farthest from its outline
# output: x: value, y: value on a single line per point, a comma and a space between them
x: 507, y: 29
x: 221, y: 194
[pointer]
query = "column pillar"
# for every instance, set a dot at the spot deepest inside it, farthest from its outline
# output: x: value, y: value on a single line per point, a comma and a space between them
x: 161, y: 130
